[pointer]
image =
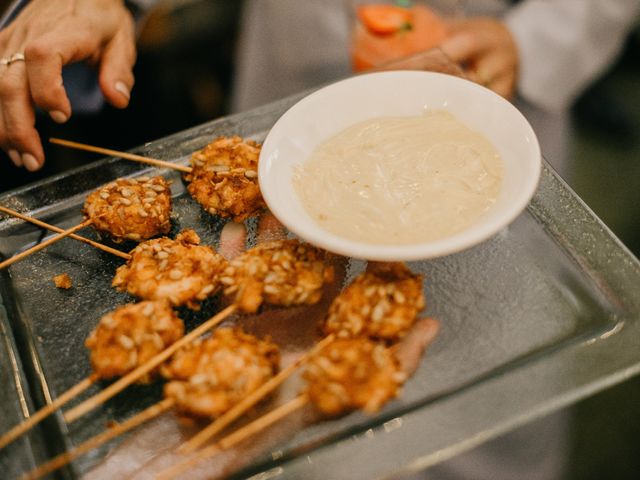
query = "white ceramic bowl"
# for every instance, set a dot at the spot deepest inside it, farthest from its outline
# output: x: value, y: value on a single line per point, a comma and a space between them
x: 329, y: 110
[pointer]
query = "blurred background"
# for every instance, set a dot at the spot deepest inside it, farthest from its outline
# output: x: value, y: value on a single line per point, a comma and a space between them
x: 184, y: 77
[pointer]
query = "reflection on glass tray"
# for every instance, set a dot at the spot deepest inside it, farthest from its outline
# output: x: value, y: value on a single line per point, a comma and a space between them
x: 542, y: 314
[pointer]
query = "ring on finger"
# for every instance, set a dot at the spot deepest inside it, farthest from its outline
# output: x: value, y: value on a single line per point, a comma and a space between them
x: 16, y: 57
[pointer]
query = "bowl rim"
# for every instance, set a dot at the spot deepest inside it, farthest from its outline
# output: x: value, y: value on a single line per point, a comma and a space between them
x: 467, y: 238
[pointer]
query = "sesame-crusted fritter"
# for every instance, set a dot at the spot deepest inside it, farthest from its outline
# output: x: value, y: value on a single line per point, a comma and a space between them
x: 180, y: 271
x: 350, y: 374
x: 281, y: 272
x: 224, y: 179
x: 132, y: 209
x: 382, y: 303
x: 131, y: 335
x: 210, y: 376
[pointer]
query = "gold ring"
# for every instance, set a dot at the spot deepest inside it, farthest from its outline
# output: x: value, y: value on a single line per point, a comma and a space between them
x: 16, y: 57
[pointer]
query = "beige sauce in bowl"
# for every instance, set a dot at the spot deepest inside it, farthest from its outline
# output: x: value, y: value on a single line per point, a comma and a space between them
x: 401, y: 180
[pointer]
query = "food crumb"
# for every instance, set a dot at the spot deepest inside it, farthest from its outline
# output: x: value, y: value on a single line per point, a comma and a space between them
x: 62, y: 281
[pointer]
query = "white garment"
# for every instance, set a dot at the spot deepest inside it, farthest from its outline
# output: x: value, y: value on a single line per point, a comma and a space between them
x: 287, y: 46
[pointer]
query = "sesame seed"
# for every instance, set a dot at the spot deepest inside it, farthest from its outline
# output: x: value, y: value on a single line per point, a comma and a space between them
x: 270, y: 289
x: 207, y: 290
x: 175, y: 274
x: 399, y: 297
x: 108, y: 321
x: 148, y: 309
x: 199, y: 379
x: 378, y: 313
x: 126, y: 342
x: 157, y: 341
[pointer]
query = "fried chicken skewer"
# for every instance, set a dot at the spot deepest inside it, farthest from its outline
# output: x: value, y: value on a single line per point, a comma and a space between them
x: 296, y: 278
x: 139, y: 372
x: 46, y: 243
x: 131, y: 208
x: 181, y: 271
x: 223, y: 177
x: 348, y: 374
x: 126, y: 209
x: 116, y: 153
x: 352, y: 372
x: 297, y: 258
x: 111, y: 351
x: 142, y: 370
x: 248, y: 402
x: 281, y: 296
x: 53, y: 228
x: 205, y: 379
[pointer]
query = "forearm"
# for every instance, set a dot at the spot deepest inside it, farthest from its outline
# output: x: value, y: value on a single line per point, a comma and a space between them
x: 564, y: 45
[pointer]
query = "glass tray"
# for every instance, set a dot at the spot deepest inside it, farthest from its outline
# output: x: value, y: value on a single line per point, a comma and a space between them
x: 541, y: 315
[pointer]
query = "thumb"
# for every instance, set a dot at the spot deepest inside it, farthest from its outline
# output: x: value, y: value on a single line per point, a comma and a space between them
x: 116, y: 67
x: 460, y: 45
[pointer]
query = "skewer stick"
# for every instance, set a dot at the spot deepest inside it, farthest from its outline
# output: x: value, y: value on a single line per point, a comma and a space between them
x: 41, y: 414
x: 231, y: 415
x: 125, y: 155
x: 40, y: 246
x: 53, y: 228
x: 236, y: 437
x: 119, y: 385
x: 67, y: 457
x: 167, y: 403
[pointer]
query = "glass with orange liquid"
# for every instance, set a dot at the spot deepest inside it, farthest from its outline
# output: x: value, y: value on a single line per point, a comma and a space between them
x: 386, y: 31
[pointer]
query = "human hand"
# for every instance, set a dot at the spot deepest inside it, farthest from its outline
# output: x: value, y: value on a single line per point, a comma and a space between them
x: 485, y: 48
x: 52, y: 34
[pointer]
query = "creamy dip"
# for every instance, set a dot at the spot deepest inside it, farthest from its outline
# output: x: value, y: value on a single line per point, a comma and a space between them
x: 401, y: 180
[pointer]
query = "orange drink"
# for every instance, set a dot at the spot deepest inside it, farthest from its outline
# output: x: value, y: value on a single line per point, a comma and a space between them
x: 389, y: 31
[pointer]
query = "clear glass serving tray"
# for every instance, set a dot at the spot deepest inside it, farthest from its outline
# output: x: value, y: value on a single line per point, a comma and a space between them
x: 541, y: 315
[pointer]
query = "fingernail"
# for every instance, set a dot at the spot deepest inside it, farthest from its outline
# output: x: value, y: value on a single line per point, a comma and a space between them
x: 30, y: 162
x: 15, y: 157
x: 58, y: 116
x: 123, y: 89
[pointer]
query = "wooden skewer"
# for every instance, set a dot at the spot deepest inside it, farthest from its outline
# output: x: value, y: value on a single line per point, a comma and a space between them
x: 167, y: 403
x: 239, y: 409
x: 40, y: 246
x: 125, y: 155
x: 119, y: 385
x: 44, y: 412
x: 53, y: 228
x: 118, y: 429
x: 236, y: 437
x: 112, y: 389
